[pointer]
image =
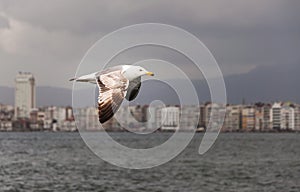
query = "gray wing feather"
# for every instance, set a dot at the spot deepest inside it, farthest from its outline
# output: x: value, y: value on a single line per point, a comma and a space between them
x: 112, y: 90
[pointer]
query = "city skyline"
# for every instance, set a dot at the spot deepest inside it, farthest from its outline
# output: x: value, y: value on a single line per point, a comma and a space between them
x: 26, y: 116
x: 259, y: 117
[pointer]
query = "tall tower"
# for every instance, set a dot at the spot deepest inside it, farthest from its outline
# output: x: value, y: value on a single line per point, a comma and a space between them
x: 24, y: 94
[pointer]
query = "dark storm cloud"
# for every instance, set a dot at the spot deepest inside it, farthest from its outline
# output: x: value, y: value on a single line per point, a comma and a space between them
x: 245, y: 36
x: 3, y: 22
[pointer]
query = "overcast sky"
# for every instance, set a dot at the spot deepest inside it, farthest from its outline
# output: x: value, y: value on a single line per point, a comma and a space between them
x: 49, y: 38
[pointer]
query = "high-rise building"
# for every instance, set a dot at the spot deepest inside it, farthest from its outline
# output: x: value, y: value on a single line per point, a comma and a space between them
x: 24, y: 94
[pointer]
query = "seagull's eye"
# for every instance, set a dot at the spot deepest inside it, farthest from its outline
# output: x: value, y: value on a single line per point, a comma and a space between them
x: 141, y: 70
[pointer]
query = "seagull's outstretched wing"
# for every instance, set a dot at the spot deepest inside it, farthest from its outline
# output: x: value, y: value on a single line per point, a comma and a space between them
x: 133, y: 89
x: 112, y: 90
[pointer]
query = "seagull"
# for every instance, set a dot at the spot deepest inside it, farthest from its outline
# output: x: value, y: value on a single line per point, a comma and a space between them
x: 115, y: 84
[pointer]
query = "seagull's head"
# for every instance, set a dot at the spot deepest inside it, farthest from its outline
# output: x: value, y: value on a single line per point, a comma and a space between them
x: 133, y: 72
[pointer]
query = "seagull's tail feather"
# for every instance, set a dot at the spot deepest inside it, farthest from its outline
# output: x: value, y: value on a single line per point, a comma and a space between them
x: 91, y: 78
x: 73, y: 79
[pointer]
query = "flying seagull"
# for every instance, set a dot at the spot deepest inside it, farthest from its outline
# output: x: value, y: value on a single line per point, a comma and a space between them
x: 115, y: 84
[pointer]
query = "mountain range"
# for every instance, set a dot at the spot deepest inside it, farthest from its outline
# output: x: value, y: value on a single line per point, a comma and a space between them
x: 263, y: 84
x: 45, y: 96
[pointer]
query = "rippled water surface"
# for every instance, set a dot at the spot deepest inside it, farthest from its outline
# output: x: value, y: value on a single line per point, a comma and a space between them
x: 237, y: 162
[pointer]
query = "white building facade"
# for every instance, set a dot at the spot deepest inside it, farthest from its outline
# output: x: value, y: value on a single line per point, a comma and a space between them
x: 170, y: 118
x: 275, y: 116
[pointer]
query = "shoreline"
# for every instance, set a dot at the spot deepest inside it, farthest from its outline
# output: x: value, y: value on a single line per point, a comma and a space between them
x: 158, y: 131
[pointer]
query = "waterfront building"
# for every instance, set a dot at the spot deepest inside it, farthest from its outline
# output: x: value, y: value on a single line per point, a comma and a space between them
x: 214, y: 116
x: 151, y: 117
x: 202, y: 116
x: 248, y: 118
x: 283, y: 116
x: 297, y: 117
x: 91, y: 119
x: 81, y: 116
x: 266, y: 124
x: 5, y: 125
x: 170, y: 118
x: 6, y: 117
x: 63, y: 119
x: 131, y: 118
x: 259, y: 116
x: 275, y: 116
x: 287, y: 117
x: 233, y: 118
x: 34, y: 124
x: 128, y: 117
x: 6, y: 112
x: 189, y: 117
x: 6, y: 108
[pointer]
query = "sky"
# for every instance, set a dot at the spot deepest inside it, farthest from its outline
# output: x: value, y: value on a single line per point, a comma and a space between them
x: 256, y: 43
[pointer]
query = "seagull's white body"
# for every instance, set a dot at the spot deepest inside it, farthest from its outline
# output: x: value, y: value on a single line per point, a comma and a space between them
x: 115, y: 84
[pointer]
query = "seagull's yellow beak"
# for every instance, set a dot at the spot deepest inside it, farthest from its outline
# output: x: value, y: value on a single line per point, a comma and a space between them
x: 150, y: 73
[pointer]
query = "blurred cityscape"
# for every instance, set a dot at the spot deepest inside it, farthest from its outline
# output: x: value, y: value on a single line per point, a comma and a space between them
x: 257, y: 117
